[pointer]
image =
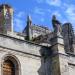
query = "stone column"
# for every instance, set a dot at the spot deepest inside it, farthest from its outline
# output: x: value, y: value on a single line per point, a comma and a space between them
x: 57, y: 44
x: 57, y: 47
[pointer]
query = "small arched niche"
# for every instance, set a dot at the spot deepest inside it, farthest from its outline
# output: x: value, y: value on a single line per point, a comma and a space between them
x: 10, y: 66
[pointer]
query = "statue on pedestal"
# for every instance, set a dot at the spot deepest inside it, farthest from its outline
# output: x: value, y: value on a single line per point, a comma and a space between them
x: 56, y: 25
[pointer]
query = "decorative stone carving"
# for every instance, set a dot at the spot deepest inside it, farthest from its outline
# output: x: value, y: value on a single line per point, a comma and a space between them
x: 56, y: 25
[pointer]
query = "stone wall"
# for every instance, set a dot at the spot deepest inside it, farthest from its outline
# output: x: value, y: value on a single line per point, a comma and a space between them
x: 67, y: 64
x: 28, y: 64
x: 29, y: 55
x: 36, y: 59
x: 19, y: 45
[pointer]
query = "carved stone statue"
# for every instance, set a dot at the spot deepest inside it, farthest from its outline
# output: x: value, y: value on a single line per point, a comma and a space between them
x: 56, y: 25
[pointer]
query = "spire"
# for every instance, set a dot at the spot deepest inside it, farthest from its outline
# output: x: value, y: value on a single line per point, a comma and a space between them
x: 29, y: 18
x: 28, y: 28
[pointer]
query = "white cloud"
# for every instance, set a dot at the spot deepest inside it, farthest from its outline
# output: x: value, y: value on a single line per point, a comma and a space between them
x: 20, y: 14
x: 39, y: 11
x: 56, y: 13
x: 66, y: 12
x: 70, y: 13
x: 18, y: 21
x: 18, y: 24
x: 42, y: 19
x: 54, y: 2
x: 49, y: 10
x: 40, y: 1
x: 50, y: 2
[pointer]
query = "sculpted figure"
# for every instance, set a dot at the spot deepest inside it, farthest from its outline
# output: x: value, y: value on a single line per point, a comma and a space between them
x: 56, y: 25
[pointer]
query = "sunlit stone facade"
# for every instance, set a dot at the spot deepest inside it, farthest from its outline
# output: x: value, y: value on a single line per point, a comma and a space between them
x: 36, y: 51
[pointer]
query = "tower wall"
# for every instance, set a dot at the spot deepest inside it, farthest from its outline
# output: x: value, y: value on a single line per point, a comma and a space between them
x: 6, y: 18
x: 68, y: 35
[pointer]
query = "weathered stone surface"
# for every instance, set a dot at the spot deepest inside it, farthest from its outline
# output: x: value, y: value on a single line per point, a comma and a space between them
x: 36, y: 59
x: 28, y: 54
x: 19, y: 45
x: 28, y: 65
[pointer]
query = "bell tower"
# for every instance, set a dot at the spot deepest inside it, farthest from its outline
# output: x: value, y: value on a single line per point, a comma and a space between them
x: 6, y: 18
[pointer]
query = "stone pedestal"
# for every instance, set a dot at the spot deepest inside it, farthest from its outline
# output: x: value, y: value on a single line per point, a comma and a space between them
x: 57, y: 50
x: 57, y: 44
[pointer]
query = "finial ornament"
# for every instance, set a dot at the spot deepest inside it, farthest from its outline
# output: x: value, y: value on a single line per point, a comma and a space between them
x: 29, y: 18
x: 56, y: 25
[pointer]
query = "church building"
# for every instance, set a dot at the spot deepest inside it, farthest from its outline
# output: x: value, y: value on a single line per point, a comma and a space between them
x: 37, y: 50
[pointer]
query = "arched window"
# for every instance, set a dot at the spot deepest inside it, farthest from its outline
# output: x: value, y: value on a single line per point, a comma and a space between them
x: 10, y: 66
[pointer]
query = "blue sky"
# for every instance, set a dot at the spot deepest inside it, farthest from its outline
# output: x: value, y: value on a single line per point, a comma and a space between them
x: 41, y: 12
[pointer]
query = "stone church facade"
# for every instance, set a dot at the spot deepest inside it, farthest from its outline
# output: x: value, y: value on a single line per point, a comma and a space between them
x: 36, y: 51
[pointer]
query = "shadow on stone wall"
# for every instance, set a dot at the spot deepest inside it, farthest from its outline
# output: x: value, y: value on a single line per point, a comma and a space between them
x: 45, y: 61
